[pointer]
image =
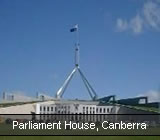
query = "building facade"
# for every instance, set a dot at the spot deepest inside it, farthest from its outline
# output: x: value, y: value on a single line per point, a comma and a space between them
x: 75, y: 111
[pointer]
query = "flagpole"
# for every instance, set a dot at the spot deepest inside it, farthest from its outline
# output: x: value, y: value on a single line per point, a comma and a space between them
x: 77, y: 47
x: 77, y: 35
x: 62, y: 89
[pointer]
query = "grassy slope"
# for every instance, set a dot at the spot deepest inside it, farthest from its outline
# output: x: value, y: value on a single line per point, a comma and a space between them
x: 16, y: 103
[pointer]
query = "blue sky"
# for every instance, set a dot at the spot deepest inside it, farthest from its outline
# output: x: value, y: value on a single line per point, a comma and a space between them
x: 119, y: 46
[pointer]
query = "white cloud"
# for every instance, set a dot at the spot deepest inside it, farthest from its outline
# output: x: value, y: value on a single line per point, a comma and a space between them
x: 148, y: 17
x: 153, y: 96
x: 136, y: 24
x: 122, y: 25
x: 151, y: 11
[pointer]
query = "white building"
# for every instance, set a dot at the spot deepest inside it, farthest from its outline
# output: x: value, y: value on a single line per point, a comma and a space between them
x: 74, y: 110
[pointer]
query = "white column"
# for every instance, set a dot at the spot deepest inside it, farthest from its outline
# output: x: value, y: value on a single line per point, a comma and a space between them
x: 37, y: 109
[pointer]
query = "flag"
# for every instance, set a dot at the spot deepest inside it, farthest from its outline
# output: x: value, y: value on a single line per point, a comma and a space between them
x: 75, y: 28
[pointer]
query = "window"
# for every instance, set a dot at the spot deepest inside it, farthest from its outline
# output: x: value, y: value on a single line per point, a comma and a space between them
x: 51, y: 108
x: 108, y: 110
x: 104, y: 110
x: 97, y: 110
x: 68, y: 107
x: 44, y: 109
x: 111, y: 109
x: 40, y: 108
x: 100, y: 110
x: 48, y: 108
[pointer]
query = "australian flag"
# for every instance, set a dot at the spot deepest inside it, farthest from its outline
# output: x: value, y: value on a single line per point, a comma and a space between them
x: 75, y: 28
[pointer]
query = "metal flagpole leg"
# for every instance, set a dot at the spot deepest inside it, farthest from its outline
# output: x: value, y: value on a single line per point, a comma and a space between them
x: 65, y: 84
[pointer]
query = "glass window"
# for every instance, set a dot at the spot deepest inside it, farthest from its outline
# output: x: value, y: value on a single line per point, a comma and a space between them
x: 111, y: 109
x: 100, y: 110
x: 51, y: 108
x: 104, y: 110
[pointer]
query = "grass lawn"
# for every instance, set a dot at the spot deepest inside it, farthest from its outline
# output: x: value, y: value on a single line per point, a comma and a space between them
x: 80, y: 137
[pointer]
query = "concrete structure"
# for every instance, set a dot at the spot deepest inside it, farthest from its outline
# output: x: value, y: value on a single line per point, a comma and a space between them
x: 13, y: 97
x: 74, y: 110
x: 16, y: 97
x: 74, y: 107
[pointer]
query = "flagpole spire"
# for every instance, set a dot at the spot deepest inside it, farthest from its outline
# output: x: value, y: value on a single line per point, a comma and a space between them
x: 76, y: 29
x: 77, y: 48
x: 88, y: 86
x: 77, y: 56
